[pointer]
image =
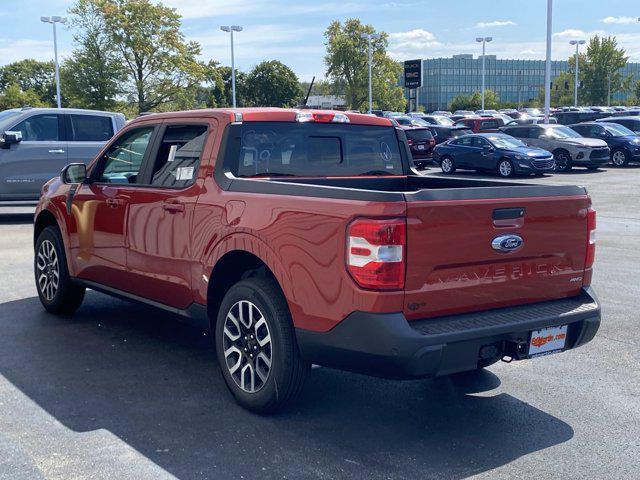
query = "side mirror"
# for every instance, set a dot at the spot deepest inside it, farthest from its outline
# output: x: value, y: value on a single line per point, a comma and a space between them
x: 10, y: 137
x: 74, y: 173
x: 487, y: 148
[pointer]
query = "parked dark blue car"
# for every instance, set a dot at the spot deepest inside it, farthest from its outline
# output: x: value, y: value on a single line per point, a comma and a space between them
x: 623, y: 143
x: 492, y: 152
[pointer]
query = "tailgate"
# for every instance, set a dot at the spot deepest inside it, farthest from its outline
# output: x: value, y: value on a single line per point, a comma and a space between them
x: 452, y: 266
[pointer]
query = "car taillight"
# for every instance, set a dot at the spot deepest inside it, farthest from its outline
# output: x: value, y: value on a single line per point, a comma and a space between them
x: 591, y: 238
x: 376, y: 252
x: 410, y: 142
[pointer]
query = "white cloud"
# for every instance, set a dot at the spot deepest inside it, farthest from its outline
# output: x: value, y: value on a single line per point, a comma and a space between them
x: 13, y: 50
x: 496, y: 23
x: 619, y: 20
x: 417, y: 40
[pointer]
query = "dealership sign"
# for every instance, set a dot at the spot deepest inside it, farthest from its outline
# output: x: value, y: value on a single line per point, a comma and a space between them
x: 412, y: 73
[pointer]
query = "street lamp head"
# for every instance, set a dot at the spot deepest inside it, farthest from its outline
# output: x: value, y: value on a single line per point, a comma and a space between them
x: 479, y: 39
x: 488, y: 39
x: 236, y: 28
x: 224, y: 28
x: 58, y: 19
x: 573, y: 42
x: 46, y: 19
x: 582, y: 42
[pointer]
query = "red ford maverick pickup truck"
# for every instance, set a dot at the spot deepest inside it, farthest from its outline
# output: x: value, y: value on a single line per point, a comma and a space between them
x: 304, y: 237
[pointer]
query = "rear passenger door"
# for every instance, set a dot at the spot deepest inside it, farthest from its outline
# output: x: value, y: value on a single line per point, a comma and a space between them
x: 464, y: 152
x: 40, y: 156
x: 159, y: 255
x: 86, y: 135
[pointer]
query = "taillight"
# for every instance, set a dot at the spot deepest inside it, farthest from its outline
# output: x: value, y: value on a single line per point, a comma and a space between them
x: 376, y: 252
x: 591, y: 238
x: 319, y: 117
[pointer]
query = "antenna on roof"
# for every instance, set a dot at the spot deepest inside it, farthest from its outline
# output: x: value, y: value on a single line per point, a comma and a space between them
x: 306, y: 99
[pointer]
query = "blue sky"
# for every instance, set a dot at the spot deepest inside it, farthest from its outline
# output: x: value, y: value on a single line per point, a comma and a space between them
x: 292, y: 31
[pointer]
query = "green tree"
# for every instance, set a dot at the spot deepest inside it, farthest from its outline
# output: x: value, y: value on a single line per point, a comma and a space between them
x: 31, y: 76
x: 273, y: 84
x: 474, y: 101
x: 160, y: 66
x: 347, y: 62
x: 14, y: 97
x: 93, y: 75
x: 561, y: 90
x: 603, y: 61
x: 219, y: 80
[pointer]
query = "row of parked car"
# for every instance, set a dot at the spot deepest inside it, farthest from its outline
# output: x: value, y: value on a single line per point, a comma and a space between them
x: 511, y: 142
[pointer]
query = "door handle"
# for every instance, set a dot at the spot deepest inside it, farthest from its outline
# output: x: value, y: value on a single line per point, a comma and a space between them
x: 173, y: 207
x: 56, y: 151
x: 115, y: 202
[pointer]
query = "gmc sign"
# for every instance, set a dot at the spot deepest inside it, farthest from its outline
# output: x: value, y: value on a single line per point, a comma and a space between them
x: 412, y: 73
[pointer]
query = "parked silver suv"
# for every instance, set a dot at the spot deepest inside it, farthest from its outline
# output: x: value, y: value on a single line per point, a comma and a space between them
x: 36, y: 143
x: 569, y: 148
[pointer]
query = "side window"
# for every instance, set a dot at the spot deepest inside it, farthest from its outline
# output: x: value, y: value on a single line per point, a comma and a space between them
x: 465, y: 141
x: 488, y: 124
x: 479, y: 142
x: 123, y: 160
x: 176, y: 164
x: 40, y: 128
x: 581, y: 130
x: 91, y: 128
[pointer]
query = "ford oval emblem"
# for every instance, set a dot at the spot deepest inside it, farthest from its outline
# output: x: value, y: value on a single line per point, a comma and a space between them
x: 507, y: 243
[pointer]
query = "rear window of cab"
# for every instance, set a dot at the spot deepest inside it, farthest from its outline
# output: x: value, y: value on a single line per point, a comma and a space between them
x: 311, y: 149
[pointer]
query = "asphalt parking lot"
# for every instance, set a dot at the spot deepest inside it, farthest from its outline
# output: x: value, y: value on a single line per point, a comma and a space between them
x: 124, y: 391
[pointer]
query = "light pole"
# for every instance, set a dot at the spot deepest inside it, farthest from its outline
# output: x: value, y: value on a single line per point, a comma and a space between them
x: 577, y: 43
x: 369, y: 37
x: 484, y: 41
x: 547, y: 70
x: 231, y: 29
x: 53, y: 20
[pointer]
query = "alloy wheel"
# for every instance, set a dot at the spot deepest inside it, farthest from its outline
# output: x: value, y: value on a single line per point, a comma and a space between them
x: 446, y: 165
x: 562, y: 162
x: 505, y: 168
x: 247, y: 346
x: 618, y: 158
x: 48, y: 270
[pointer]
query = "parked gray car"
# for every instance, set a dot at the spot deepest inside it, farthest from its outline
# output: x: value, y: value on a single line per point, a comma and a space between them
x: 569, y: 148
x: 36, y: 143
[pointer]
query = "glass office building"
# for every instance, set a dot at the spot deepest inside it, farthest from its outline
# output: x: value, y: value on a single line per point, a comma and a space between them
x: 516, y: 81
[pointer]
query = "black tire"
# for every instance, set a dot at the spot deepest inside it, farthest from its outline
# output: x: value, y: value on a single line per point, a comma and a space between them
x: 444, y: 164
x: 50, y: 260
x: 287, y: 371
x: 505, y: 168
x: 620, y: 158
x: 563, y: 161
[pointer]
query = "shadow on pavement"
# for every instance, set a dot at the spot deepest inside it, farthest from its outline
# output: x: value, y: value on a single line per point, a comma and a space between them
x: 155, y: 384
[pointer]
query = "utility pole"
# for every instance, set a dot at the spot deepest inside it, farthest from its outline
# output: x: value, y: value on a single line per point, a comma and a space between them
x: 577, y: 43
x: 484, y: 41
x: 547, y: 72
x: 230, y: 29
x: 53, y: 20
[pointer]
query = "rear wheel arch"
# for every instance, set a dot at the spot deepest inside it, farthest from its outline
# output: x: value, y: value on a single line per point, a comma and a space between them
x: 232, y: 267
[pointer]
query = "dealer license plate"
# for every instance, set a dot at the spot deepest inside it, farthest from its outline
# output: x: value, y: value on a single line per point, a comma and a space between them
x: 420, y: 147
x: 547, y: 340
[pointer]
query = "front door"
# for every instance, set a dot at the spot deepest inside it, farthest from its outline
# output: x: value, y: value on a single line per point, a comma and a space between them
x: 40, y: 156
x: 100, y: 208
x: 159, y: 255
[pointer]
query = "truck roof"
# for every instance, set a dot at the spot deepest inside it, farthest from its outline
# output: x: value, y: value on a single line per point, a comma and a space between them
x: 269, y: 114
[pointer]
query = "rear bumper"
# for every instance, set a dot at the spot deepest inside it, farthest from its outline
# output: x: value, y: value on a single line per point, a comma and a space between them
x: 387, y: 345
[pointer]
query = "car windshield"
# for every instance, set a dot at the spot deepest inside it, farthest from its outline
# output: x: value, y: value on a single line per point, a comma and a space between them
x: 561, y: 132
x: 263, y: 149
x: 446, y: 121
x: 504, y: 141
x: 419, y: 122
x: 7, y: 115
x: 618, y: 130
